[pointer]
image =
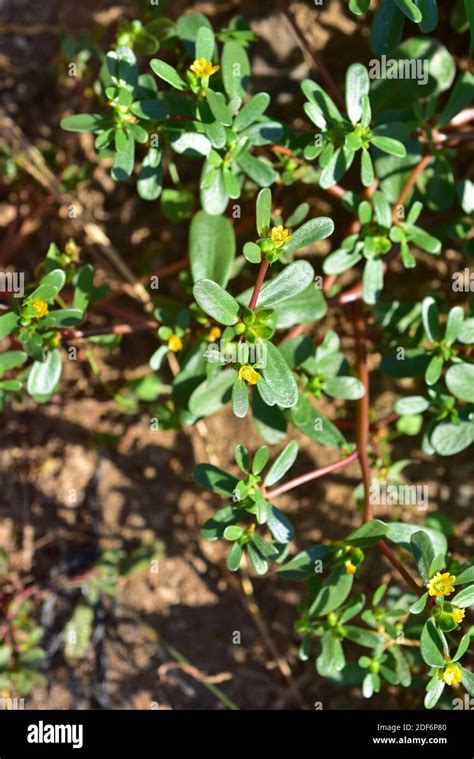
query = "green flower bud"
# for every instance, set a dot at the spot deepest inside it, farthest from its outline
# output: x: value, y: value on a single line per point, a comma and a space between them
x: 267, y: 246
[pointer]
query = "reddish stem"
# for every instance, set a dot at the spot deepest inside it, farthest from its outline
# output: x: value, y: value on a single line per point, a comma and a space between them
x: 419, y: 169
x: 258, y: 284
x: 362, y: 415
x: 282, y: 150
x: 348, y: 296
x: 336, y: 191
x: 362, y: 434
x: 313, y: 475
x: 395, y: 562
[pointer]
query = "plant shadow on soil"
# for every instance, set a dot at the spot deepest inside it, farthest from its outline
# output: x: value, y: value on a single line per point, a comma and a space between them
x: 190, y: 602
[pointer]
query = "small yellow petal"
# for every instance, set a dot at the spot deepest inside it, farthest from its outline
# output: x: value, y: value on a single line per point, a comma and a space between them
x: 452, y: 675
x: 214, y: 334
x: 458, y: 615
x: 279, y: 236
x: 40, y: 308
x: 249, y: 374
x: 203, y: 68
x: 441, y: 584
x: 350, y: 568
x: 175, y: 343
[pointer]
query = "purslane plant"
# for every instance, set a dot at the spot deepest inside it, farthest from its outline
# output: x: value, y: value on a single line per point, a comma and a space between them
x: 342, y: 136
x: 378, y: 230
x: 390, y: 17
x: 36, y: 321
x: 196, y: 118
x: 401, y: 648
x: 252, y: 323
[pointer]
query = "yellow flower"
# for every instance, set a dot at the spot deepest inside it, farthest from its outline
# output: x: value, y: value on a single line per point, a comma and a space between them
x: 214, y: 334
x: 175, y: 343
x: 280, y: 236
x: 40, y: 308
x: 452, y: 675
x: 441, y: 584
x: 203, y: 68
x: 248, y: 373
x: 350, y: 567
x: 458, y: 615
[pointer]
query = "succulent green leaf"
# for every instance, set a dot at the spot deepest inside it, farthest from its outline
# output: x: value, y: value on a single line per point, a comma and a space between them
x: 216, y: 302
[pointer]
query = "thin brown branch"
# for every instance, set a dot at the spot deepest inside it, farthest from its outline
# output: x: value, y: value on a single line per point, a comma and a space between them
x: 315, y: 57
x: 168, y: 269
x: 123, y: 313
x: 190, y: 669
x: 68, y: 334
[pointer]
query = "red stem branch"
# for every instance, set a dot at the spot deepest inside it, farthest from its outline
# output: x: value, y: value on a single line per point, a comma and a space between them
x: 395, y: 562
x: 313, y: 475
x: 362, y: 435
x: 362, y: 414
x: 336, y: 191
x: 258, y: 284
x: 411, y: 181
